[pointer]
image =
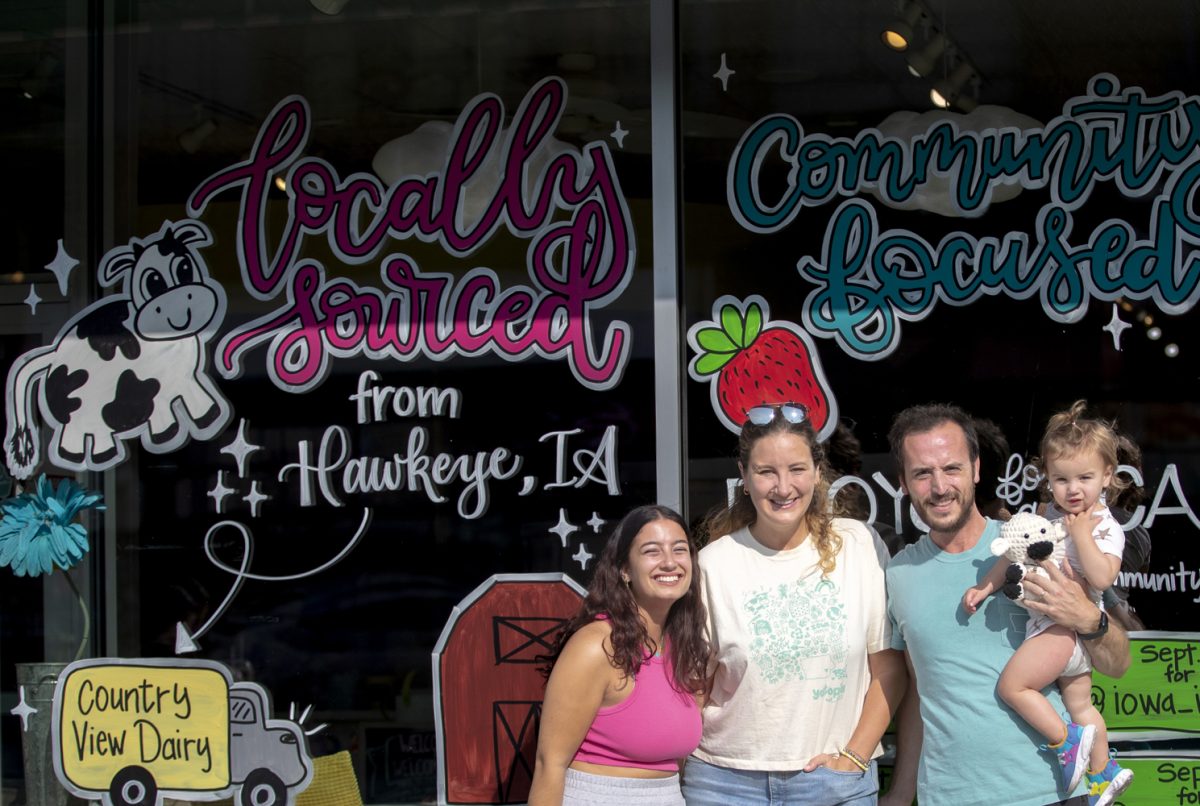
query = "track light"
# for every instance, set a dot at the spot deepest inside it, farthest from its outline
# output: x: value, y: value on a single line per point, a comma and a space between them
x: 925, y: 61
x: 948, y: 92
x: 900, y: 32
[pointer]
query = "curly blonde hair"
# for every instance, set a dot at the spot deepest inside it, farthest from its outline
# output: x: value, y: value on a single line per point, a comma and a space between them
x: 1070, y: 432
x: 819, y: 518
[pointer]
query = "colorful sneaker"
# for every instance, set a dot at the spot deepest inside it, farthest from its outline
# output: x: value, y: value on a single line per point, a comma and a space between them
x: 1110, y: 782
x: 1074, y: 752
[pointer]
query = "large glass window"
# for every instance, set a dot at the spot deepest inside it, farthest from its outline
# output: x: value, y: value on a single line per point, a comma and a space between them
x: 388, y: 331
x: 446, y: 374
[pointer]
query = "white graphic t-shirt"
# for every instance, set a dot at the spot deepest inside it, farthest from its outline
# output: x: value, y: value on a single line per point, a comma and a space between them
x: 791, y: 646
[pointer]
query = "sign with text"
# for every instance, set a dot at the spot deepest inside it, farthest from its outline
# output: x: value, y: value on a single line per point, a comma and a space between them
x: 1161, y: 780
x: 1160, y: 694
x: 129, y: 728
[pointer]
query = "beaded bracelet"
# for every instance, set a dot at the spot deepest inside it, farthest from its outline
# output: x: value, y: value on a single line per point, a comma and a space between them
x: 854, y: 757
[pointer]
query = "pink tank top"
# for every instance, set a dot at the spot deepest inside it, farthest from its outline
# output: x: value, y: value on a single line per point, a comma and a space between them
x: 652, y: 728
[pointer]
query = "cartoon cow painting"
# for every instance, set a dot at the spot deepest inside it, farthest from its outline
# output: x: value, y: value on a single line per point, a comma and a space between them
x: 129, y: 365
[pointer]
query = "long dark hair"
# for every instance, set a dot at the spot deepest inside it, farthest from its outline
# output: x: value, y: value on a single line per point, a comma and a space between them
x: 609, y: 596
x: 726, y: 520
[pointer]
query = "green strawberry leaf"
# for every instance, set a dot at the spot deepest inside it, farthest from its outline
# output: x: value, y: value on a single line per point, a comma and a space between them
x: 716, y: 340
x: 731, y: 323
x: 710, y: 363
x: 754, y: 323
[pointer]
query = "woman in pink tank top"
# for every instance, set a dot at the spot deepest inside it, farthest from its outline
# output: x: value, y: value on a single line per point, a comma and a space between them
x: 621, y: 709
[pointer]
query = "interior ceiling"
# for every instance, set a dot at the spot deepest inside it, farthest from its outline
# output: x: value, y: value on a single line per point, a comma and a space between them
x: 381, y: 67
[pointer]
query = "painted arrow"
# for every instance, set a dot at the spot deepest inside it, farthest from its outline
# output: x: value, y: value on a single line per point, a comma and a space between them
x: 185, y: 639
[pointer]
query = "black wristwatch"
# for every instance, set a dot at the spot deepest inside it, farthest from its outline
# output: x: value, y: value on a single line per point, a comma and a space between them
x: 1100, y: 631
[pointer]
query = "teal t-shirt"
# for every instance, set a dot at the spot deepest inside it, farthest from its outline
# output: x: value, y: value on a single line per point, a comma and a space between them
x: 975, y: 748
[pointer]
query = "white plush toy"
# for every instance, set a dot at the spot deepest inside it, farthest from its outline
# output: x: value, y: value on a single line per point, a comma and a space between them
x: 1026, y: 539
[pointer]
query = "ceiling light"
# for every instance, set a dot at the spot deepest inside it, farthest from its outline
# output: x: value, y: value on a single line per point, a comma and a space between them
x: 899, y: 33
x: 925, y: 61
x: 947, y: 92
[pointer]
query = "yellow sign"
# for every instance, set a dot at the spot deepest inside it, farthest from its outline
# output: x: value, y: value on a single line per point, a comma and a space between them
x: 135, y: 730
x: 171, y: 721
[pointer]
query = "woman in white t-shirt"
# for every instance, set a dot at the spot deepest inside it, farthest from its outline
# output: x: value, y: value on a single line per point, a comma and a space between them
x: 804, y: 684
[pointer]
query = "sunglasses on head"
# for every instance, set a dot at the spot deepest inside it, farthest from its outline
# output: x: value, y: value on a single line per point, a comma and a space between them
x: 794, y: 413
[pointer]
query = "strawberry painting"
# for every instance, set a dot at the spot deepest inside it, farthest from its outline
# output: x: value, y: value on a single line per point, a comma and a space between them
x: 750, y: 360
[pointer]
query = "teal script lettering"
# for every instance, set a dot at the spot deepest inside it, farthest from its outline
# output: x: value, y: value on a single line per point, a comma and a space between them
x: 868, y: 281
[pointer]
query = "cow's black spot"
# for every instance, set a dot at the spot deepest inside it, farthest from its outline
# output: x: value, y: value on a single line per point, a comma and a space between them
x: 60, y: 388
x: 105, y: 329
x: 1014, y: 573
x: 132, y: 404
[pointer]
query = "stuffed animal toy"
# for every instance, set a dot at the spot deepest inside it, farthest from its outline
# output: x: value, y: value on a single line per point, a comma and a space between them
x: 1026, y: 539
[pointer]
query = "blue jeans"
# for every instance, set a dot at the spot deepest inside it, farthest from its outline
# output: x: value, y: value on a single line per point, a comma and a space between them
x: 709, y: 785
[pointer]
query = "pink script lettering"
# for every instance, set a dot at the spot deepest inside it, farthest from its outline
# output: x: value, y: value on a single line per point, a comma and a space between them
x: 577, y: 263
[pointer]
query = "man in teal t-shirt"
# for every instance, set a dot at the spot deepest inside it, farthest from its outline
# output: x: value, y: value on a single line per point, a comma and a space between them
x: 971, y: 747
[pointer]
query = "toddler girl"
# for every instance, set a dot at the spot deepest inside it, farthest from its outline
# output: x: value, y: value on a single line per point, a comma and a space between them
x: 1079, y: 456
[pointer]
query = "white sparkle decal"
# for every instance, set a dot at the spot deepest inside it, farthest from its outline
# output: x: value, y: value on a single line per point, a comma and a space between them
x: 61, y: 267
x: 23, y: 709
x: 596, y: 522
x: 618, y: 134
x: 723, y: 74
x: 239, y: 449
x: 563, y: 528
x: 255, y: 498
x: 1116, y: 326
x: 582, y: 556
x: 32, y: 300
x: 220, y: 492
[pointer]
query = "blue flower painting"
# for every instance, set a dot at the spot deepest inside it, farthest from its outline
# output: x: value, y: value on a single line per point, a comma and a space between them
x: 38, y: 529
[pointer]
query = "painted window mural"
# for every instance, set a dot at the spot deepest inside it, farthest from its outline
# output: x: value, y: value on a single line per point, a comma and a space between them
x: 860, y: 248
x: 336, y: 335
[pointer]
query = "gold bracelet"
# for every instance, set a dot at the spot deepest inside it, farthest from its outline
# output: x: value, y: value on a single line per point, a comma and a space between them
x: 854, y: 757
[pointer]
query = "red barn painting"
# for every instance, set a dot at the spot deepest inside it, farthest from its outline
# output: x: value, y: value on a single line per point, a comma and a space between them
x: 488, y: 688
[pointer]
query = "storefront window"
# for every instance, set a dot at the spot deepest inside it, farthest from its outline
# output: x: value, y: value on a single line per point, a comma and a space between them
x: 1028, y: 246
x: 349, y: 310
x: 425, y: 387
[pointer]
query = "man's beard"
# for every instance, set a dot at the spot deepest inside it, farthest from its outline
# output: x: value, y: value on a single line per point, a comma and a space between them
x: 966, y: 503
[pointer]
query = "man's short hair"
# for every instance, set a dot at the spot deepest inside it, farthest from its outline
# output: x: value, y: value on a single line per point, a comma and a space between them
x: 924, y: 418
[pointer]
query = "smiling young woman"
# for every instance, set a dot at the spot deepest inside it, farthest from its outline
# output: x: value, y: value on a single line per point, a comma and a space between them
x: 805, y: 683
x: 621, y: 706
